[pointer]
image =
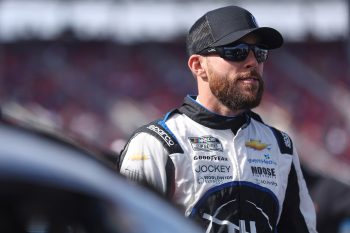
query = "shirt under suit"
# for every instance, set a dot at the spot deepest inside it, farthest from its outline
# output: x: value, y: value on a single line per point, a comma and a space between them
x: 229, y: 174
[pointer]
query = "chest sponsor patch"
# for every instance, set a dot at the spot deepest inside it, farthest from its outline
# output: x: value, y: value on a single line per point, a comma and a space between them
x: 263, y: 172
x: 205, y: 143
x: 211, y: 168
x: 256, y: 145
x: 209, y: 158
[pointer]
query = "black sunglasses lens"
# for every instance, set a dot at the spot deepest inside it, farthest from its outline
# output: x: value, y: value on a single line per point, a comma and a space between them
x: 260, y: 54
x: 237, y: 53
x: 240, y: 53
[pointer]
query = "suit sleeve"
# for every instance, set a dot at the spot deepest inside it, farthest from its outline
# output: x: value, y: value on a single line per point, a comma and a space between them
x: 298, y: 211
x: 144, y: 161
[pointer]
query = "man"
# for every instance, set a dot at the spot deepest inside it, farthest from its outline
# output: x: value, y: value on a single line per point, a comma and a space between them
x: 213, y: 156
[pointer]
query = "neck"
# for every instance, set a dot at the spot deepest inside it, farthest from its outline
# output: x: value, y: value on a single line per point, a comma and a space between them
x: 214, y: 105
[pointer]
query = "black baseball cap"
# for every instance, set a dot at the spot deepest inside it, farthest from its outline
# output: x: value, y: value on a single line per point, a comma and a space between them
x: 226, y: 25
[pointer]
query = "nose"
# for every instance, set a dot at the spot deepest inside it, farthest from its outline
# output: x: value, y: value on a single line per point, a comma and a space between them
x: 251, y: 61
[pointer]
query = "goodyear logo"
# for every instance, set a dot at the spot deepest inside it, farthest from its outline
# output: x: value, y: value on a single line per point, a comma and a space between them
x: 256, y: 144
x: 205, y: 143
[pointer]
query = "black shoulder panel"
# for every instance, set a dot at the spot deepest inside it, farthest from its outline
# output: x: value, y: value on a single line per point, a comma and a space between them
x: 255, y: 116
x: 160, y: 131
x: 284, y: 141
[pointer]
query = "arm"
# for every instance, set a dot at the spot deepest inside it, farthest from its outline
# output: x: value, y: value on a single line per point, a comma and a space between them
x: 144, y: 161
x: 298, y: 212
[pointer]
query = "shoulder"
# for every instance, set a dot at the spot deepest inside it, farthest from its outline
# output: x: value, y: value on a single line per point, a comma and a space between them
x: 284, y: 141
x: 158, y: 130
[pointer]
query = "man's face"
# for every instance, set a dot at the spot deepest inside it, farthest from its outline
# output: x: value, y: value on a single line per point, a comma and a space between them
x: 237, y: 85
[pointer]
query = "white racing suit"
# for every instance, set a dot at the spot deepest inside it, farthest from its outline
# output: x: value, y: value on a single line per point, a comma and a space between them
x: 230, y: 174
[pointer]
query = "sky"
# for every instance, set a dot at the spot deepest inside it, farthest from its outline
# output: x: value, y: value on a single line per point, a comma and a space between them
x: 129, y: 21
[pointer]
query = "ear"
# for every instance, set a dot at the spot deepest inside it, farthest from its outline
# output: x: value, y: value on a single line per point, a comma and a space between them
x: 197, y: 66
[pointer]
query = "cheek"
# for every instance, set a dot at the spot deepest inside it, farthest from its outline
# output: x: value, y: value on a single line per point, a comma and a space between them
x: 225, y: 70
x: 219, y: 65
x: 261, y: 69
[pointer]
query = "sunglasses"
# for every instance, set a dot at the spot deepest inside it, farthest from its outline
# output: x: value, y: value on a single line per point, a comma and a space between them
x: 238, y: 52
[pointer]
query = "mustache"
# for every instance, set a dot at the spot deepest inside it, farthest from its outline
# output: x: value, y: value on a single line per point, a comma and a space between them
x: 250, y: 74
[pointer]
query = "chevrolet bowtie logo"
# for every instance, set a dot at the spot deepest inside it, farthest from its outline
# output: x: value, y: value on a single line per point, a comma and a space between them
x: 138, y: 157
x: 256, y: 144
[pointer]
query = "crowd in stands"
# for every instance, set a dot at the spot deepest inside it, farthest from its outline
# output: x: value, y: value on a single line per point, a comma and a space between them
x: 103, y: 90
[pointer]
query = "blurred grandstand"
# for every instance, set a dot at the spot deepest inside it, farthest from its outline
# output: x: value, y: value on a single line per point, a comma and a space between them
x: 99, y: 89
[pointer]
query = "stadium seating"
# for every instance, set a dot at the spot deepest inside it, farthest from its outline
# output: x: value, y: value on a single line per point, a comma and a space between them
x: 103, y: 90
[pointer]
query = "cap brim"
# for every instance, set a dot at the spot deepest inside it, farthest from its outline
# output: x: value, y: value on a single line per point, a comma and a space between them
x: 268, y: 36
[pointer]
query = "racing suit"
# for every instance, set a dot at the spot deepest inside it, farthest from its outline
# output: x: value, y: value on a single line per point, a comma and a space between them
x: 230, y: 174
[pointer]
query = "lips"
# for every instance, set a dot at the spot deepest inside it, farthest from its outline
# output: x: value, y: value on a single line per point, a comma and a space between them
x: 251, y: 75
x: 251, y: 80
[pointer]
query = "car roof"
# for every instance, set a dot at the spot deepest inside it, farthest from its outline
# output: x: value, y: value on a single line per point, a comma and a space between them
x: 35, y: 155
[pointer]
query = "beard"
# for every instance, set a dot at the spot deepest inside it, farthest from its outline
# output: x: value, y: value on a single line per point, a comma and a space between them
x: 234, y: 93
